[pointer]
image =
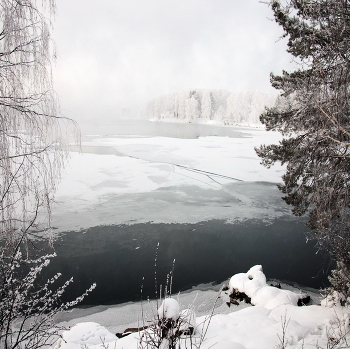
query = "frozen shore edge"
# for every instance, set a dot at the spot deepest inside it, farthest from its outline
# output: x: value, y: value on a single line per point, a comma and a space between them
x: 117, y: 317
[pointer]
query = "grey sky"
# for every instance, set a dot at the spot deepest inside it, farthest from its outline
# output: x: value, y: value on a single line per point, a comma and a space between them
x: 114, y: 54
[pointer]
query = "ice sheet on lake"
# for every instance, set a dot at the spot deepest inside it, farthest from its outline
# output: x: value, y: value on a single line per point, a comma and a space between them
x: 156, y: 179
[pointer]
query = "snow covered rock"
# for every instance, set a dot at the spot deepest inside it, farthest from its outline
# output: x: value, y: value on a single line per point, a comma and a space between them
x: 253, y: 284
x: 169, y: 309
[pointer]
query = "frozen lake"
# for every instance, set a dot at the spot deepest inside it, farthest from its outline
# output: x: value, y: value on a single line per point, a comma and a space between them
x: 198, y: 190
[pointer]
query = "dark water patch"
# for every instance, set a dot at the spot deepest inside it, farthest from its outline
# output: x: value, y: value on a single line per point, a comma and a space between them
x: 118, y: 257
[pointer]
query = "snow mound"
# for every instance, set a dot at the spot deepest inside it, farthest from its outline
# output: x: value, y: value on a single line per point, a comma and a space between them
x: 253, y: 284
x: 84, y: 335
x: 169, y: 309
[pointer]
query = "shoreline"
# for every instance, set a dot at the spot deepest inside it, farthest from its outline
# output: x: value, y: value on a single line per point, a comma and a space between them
x: 202, y: 298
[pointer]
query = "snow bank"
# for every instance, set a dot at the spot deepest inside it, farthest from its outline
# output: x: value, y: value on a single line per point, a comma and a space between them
x: 274, y: 322
x: 84, y: 335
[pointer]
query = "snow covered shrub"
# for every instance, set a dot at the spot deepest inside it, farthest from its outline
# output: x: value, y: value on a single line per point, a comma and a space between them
x: 163, y: 332
x: 27, y: 307
x: 339, y: 292
x: 170, y: 328
x: 188, y: 321
x: 167, y: 325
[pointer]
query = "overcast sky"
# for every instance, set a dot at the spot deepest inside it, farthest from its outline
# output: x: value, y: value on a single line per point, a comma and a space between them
x: 115, y: 54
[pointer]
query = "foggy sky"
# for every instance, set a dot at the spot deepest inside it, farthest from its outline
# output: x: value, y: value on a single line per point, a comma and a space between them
x: 115, y: 54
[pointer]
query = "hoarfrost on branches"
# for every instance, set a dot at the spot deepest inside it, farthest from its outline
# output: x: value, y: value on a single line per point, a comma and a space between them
x: 34, y: 141
x: 243, y: 108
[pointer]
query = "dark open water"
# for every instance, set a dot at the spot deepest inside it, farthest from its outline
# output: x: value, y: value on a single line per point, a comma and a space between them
x: 118, y: 257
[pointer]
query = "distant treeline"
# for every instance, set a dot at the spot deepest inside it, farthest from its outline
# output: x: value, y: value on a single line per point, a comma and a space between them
x: 243, y: 108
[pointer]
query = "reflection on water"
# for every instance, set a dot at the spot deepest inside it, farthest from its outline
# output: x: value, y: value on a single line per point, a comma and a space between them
x: 118, y: 257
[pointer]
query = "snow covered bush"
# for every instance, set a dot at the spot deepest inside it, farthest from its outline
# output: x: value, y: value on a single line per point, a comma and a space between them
x: 169, y: 326
x: 27, y: 306
x: 339, y: 293
x: 169, y: 309
x: 187, y: 323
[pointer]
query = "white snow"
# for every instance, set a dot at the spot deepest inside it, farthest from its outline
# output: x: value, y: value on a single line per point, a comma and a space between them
x: 188, y: 319
x: 169, y: 309
x: 253, y: 284
x: 274, y: 322
x: 83, y: 335
x: 157, y: 179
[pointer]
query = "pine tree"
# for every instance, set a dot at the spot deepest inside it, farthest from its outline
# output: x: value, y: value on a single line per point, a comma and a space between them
x: 313, y: 114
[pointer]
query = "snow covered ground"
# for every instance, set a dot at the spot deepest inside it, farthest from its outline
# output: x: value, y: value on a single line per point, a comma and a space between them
x: 133, y: 179
x: 274, y: 322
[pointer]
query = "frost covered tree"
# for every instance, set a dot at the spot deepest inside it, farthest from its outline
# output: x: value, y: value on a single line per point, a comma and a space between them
x: 220, y: 114
x: 33, y: 150
x: 204, y: 105
x: 32, y: 135
x: 191, y: 109
x: 313, y: 114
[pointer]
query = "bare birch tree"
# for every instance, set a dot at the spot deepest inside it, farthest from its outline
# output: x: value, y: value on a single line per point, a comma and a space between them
x: 33, y: 150
x: 32, y: 134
